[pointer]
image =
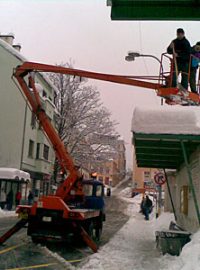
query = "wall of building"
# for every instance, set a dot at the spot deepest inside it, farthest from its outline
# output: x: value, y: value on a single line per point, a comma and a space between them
x: 12, y: 114
x: 188, y: 218
x: 142, y: 176
x: 16, y: 122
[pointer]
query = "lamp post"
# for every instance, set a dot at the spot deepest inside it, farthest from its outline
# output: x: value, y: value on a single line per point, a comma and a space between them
x: 132, y: 55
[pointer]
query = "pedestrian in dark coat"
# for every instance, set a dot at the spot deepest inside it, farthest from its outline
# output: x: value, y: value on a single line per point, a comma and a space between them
x: 147, y: 207
x: 18, y: 198
x: 30, y: 197
x: 9, y: 200
x: 180, y: 48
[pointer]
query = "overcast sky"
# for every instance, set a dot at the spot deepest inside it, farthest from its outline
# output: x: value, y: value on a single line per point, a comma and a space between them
x: 55, y: 31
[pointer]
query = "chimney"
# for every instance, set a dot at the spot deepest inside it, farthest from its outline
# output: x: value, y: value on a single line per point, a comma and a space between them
x: 8, y: 38
x: 17, y: 47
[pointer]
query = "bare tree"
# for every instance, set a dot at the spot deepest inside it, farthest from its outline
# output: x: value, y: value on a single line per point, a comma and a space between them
x: 83, y: 123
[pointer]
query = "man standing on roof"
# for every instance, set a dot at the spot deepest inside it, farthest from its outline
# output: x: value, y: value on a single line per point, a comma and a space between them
x: 180, y: 48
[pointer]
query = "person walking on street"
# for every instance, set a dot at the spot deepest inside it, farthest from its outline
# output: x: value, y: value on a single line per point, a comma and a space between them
x: 18, y: 198
x: 147, y: 207
x: 2, y: 199
x: 195, y: 59
x: 180, y: 48
x: 30, y: 198
x: 9, y: 200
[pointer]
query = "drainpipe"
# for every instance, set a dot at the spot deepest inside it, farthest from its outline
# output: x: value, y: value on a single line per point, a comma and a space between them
x: 170, y: 195
x: 23, y: 136
x: 190, y: 181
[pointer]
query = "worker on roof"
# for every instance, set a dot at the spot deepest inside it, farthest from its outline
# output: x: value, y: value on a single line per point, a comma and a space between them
x: 180, y: 48
x: 195, y: 59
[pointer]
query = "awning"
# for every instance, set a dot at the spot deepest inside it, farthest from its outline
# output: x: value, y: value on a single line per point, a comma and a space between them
x: 154, y: 10
x: 163, y: 150
x: 14, y: 174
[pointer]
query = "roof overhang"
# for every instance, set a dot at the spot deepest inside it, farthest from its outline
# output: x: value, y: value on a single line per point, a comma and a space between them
x: 163, y: 150
x: 154, y: 10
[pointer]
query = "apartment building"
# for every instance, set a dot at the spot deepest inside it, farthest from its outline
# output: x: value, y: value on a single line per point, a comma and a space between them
x: 23, y: 144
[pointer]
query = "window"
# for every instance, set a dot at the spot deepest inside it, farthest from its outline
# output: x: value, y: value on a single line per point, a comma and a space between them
x: 31, y: 149
x: 87, y: 190
x: 98, y: 191
x: 107, y: 170
x: 147, y: 175
x: 44, y: 93
x: 46, y: 152
x: 38, y: 151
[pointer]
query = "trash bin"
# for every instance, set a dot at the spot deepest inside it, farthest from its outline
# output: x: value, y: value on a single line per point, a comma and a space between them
x: 172, y: 242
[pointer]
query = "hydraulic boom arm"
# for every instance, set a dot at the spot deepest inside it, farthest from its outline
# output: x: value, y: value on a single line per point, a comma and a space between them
x: 30, y: 91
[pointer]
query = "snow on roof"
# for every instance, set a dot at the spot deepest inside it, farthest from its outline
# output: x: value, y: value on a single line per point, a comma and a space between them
x: 166, y: 120
x: 20, y: 57
x: 12, y: 50
x: 12, y: 173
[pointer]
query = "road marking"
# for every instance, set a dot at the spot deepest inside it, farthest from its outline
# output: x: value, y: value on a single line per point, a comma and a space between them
x: 33, y: 266
x: 40, y: 265
x: 73, y: 261
x: 10, y: 248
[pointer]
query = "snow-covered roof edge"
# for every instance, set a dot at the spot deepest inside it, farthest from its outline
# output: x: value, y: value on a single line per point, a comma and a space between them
x: 20, y: 57
x: 166, y: 120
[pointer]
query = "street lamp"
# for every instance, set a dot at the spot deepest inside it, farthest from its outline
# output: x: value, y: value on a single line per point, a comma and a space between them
x: 132, y: 55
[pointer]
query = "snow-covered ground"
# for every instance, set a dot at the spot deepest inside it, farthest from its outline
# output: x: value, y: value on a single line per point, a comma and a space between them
x: 133, y: 247
x: 5, y: 213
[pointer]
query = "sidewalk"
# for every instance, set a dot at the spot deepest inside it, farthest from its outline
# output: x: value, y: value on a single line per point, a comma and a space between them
x: 133, y: 247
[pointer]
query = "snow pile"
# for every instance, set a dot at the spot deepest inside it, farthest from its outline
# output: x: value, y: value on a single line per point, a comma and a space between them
x: 60, y: 259
x: 4, y: 213
x: 133, y: 202
x: 189, y: 258
x: 166, y: 120
x: 163, y: 221
x: 127, y: 192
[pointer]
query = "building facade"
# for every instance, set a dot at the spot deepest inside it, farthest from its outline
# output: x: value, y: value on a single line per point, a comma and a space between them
x: 143, y: 177
x: 112, y: 171
x: 23, y: 144
x: 181, y: 192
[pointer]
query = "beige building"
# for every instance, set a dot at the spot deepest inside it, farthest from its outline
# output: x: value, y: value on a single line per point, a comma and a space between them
x: 113, y: 171
x: 143, y: 177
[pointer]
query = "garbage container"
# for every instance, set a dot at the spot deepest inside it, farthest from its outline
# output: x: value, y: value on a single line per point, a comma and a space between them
x: 171, y: 242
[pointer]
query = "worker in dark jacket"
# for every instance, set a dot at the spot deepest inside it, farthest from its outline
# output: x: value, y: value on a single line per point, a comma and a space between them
x: 180, y: 48
x: 147, y: 206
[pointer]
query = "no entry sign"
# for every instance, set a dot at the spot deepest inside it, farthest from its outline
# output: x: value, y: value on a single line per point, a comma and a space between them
x: 159, y: 178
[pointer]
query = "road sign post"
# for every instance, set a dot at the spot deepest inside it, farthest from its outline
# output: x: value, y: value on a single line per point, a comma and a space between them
x: 159, y: 178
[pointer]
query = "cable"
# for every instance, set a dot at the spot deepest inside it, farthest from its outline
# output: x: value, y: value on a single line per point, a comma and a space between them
x: 141, y: 47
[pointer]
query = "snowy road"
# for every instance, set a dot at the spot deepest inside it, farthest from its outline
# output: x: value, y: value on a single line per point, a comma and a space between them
x: 24, y: 253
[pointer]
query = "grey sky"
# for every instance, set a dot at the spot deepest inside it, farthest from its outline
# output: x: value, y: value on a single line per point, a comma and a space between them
x: 53, y: 31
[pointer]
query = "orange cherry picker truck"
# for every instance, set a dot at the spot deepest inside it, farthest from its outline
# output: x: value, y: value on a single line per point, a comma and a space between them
x: 71, y: 209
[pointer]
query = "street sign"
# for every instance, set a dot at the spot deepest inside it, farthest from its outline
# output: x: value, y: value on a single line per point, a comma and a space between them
x: 159, y: 178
